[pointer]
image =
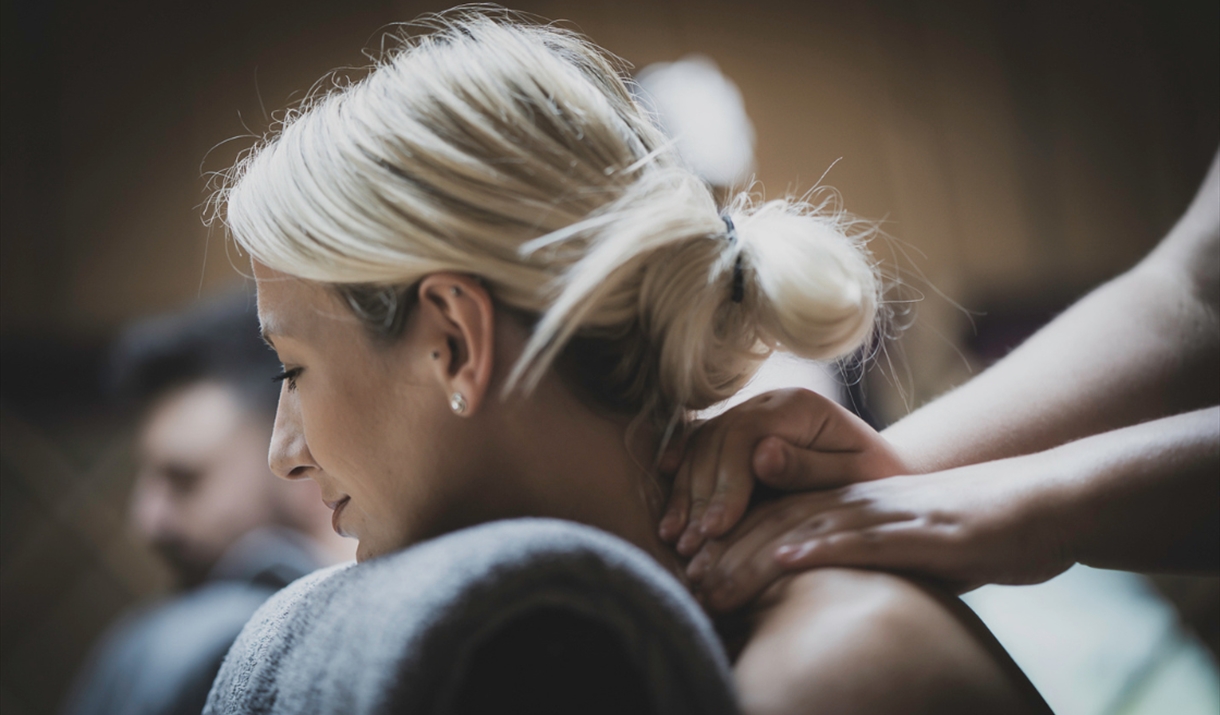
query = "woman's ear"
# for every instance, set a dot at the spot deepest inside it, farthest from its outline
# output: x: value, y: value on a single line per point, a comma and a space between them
x: 459, y: 319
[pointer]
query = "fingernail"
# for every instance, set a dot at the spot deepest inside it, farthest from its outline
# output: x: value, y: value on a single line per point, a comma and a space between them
x: 711, y: 519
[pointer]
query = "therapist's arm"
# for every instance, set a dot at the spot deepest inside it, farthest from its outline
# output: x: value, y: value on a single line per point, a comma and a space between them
x: 1144, y: 345
x: 1141, y: 498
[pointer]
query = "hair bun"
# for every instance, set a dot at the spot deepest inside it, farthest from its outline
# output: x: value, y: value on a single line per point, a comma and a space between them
x: 815, y: 291
x: 806, y: 287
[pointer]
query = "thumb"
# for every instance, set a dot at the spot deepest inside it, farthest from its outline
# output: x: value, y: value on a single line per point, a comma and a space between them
x: 779, y: 464
x: 771, y: 461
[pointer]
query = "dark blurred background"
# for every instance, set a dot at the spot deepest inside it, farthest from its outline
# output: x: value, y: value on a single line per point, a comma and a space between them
x: 1018, y: 152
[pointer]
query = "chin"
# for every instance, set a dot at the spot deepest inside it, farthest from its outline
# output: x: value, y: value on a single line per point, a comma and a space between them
x: 366, y: 550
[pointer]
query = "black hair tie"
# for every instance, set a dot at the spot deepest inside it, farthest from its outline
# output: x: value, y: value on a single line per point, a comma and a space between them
x: 739, y: 281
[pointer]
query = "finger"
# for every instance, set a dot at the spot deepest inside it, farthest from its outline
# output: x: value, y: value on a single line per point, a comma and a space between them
x: 900, y: 546
x: 729, y: 503
x: 734, y: 482
x: 742, y: 564
x: 678, y: 514
x: 701, y: 462
x: 670, y: 463
x: 841, y: 511
x: 792, y: 414
x: 782, y: 465
x: 743, y: 572
x: 779, y: 464
x: 692, y: 535
x: 678, y: 509
x: 771, y: 521
x: 707, y: 556
x: 770, y: 461
x: 720, y: 457
x: 751, y: 531
x: 744, y: 584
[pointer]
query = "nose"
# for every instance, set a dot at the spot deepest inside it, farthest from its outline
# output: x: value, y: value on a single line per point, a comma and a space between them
x: 289, y: 457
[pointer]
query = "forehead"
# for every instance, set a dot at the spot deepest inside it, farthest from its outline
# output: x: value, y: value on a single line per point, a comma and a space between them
x: 291, y: 307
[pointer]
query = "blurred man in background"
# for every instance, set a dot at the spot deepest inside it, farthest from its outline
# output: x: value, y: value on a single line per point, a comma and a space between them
x: 205, y: 500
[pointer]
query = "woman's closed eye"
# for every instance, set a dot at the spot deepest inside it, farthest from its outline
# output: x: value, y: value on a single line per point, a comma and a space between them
x: 289, y: 375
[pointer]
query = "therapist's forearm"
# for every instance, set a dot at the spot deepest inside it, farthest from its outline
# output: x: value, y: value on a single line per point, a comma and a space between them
x: 1143, y: 498
x: 1145, y: 345
x: 1134, y: 349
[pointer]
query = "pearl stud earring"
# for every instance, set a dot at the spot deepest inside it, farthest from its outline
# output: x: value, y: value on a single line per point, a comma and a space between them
x: 457, y: 403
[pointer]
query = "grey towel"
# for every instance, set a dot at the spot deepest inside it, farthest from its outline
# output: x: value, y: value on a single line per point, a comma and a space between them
x: 418, y: 631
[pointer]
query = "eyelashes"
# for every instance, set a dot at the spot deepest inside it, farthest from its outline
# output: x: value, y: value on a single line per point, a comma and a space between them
x: 289, y: 375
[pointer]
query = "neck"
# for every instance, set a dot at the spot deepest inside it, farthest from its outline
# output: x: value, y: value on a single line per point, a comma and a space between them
x: 568, y: 462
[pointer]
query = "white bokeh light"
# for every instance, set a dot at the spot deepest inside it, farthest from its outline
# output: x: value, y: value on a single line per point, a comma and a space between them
x: 704, y: 113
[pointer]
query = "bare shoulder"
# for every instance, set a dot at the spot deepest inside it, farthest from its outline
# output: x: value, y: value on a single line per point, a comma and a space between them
x: 849, y: 641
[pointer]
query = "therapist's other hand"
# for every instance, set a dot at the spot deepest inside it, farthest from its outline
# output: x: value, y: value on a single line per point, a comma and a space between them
x: 789, y: 439
x: 995, y: 522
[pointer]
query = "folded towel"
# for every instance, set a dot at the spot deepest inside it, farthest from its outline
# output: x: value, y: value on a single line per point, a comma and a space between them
x: 457, y: 621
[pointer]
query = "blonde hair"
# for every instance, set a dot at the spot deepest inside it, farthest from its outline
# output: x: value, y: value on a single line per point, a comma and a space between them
x: 514, y: 151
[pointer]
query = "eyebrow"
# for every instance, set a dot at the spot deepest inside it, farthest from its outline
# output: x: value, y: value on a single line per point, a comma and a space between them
x: 266, y: 334
x: 272, y: 327
x: 267, y: 328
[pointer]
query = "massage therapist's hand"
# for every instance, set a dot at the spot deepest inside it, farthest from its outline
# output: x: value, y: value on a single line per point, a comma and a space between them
x: 790, y: 440
x: 989, y: 523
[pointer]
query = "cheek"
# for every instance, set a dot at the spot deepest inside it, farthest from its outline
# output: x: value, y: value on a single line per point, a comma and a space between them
x: 383, y: 447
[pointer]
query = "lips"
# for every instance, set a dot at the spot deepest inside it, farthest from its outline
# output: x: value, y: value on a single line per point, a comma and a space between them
x: 337, y: 506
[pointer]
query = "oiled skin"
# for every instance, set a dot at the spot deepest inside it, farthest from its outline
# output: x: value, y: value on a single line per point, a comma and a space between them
x: 848, y: 641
